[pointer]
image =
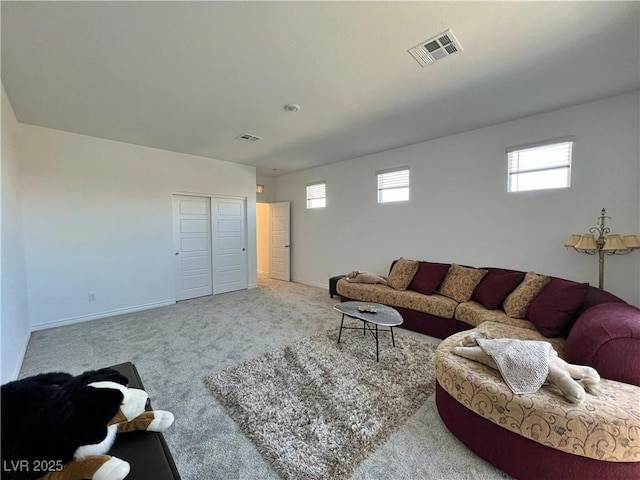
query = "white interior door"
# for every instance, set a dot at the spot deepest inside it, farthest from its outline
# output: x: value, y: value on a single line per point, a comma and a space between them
x: 229, y: 245
x: 279, y: 238
x: 192, y: 243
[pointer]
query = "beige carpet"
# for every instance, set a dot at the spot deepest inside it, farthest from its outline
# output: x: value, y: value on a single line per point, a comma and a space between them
x: 316, y: 408
x: 175, y: 346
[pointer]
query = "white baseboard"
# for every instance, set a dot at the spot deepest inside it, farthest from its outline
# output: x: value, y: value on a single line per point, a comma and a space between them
x: 313, y: 284
x: 96, y: 316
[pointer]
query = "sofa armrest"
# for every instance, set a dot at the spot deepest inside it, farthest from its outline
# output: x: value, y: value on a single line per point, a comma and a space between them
x: 607, y: 338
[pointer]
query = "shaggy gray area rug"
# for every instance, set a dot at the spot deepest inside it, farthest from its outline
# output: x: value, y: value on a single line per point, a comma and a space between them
x: 316, y: 409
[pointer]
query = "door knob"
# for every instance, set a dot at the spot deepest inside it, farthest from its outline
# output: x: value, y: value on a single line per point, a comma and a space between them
x: 177, y: 253
x: 286, y: 246
x: 243, y: 249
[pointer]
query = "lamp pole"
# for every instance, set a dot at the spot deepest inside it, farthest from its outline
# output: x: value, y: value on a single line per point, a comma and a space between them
x: 601, y: 271
x: 600, y: 241
x: 601, y: 230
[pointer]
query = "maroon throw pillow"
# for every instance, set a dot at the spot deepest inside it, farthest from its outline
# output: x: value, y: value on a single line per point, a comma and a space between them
x: 392, y: 264
x: 496, y: 286
x: 428, y: 277
x: 555, y: 308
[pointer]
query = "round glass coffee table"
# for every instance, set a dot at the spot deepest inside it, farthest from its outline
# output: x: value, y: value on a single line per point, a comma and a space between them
x: 384, y: 316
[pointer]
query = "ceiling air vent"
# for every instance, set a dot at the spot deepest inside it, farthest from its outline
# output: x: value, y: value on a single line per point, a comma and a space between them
x: 247, y: 137
x: 436, y: 48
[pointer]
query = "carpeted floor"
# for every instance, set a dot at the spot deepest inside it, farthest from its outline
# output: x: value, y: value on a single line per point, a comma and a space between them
x: 316, y: 408
x: 175, y: 347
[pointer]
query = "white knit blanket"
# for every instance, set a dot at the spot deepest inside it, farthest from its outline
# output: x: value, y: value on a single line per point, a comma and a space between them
x: 522, y: 363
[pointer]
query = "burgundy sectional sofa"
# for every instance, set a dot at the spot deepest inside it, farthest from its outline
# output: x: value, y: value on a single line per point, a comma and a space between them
x: 540, y: 435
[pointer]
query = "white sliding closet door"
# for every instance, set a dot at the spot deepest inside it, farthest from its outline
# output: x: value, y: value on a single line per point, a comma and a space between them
x: 229, y: 245
x: 192, y: 245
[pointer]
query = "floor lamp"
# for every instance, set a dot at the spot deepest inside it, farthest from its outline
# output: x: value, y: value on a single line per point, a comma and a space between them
x: 600, y: 241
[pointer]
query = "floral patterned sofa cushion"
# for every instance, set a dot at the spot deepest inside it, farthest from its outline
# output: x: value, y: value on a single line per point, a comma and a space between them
x: 402, y: 273
x: 433, y: 304
x: 460, y: 282
x: 474, y: 314
x: 604, y: 427
x: 516, y: 304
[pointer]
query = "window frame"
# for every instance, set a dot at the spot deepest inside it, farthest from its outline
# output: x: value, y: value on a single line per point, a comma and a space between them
x: 515, y: 173
x: 316, y: 197
x: 380, y: 191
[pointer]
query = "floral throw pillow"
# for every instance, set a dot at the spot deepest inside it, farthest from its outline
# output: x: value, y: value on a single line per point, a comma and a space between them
x: 460, y: 282
x: 402, y: 273
x: 516, y: 304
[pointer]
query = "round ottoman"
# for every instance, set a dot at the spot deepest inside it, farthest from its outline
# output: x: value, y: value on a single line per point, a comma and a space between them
x: 540, y: 435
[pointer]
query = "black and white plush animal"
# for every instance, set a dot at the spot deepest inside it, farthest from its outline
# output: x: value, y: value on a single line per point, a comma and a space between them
x: 57, y: 426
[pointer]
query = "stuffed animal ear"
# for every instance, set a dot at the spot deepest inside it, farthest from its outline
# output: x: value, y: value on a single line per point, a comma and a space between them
x: 94, y: 407
x: 103, y: 375
x: 53, y: 378
x: 134, y: 400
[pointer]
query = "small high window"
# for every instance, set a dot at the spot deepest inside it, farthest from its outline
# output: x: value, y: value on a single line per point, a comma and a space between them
x: 393, y: 186
x: 540, y: 166
x: 317, y: 195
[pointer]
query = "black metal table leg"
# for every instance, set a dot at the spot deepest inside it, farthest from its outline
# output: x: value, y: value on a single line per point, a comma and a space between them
x: 371, y: 325
x: 377, y: 356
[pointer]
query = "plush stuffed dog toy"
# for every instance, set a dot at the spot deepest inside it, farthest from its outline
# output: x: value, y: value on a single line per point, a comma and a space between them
x: 571, y: 380
x: 364, y: 277
x: 59, y: 427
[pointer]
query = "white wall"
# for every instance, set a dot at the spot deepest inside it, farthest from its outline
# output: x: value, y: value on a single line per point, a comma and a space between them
x: 97, y: 218
x: 460, y: 210
x: 269, y: 183
x: 14, y: 324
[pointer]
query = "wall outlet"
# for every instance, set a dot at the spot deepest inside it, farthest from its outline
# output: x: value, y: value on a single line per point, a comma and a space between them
x: 92, y: 296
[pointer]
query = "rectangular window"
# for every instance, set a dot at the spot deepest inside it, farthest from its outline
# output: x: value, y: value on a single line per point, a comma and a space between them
x: 393, y: 186
x: 317, y: 195
x: 540, y: 166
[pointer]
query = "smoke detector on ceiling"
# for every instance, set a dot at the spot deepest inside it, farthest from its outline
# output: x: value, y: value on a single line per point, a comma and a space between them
x: 436, y: 48
x: 292, y: 107
x: 247, y: 137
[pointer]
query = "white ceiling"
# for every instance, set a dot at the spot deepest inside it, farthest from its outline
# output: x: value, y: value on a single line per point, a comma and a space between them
x: 191, y: 76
